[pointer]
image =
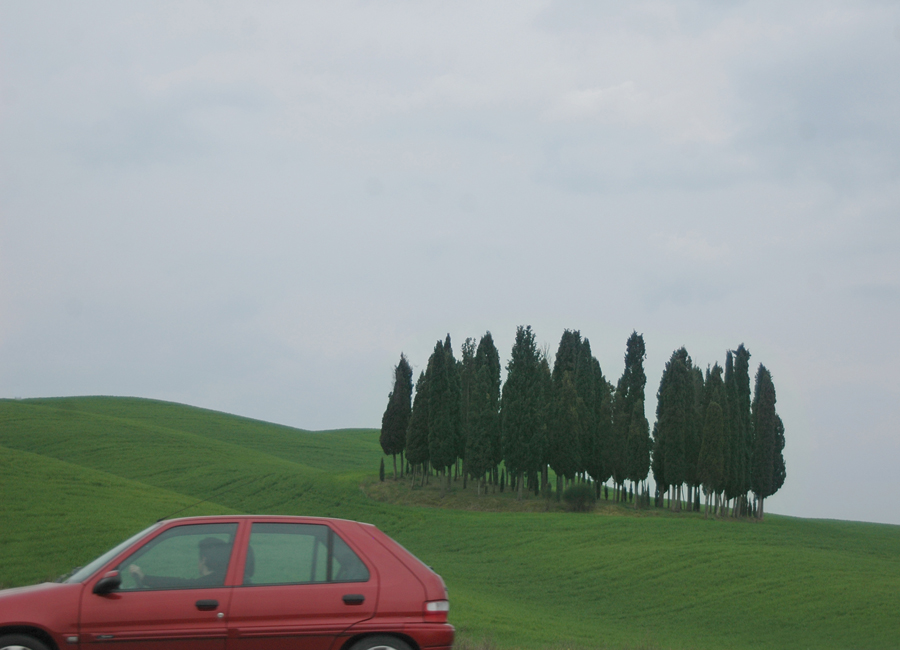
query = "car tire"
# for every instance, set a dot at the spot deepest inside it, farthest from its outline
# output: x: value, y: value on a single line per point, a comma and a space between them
x: 380, y: 642
x: 21, y: 642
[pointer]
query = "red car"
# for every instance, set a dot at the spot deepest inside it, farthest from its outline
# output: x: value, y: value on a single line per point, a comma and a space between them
x: 238, y: 583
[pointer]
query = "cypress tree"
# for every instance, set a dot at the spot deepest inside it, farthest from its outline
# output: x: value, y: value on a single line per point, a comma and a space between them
x: 740, y: 435
x: 638, y: 445
x: 657, y: 460
x: 780, y: 472
x: 544, y: 413
x: 467, y: 372
x: 488, y: 357
x: 730, y: 455
x: 417, y: 432
x: 483, y: 421
x: 586, y: 386
x: 694, y: 432
x: 625, y: 463
x: 767, y: 473
x: 578, y: 434
x: 675, y: 403
x: 711, y: 467
x: 563, y: 434
x: 523, y: 409
x: 443, y: 408
x: 381, y: 471
x: 395, y: 420
x: 598, y: 466
x: 616, y: 451
x: 567, y: 422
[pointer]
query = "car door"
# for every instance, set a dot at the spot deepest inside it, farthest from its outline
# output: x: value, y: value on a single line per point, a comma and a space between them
x: 172, y: 597
x: 302, y: 586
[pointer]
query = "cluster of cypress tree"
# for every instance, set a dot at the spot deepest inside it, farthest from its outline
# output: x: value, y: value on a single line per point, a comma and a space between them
x: 708, y: 434
x: 572, y: 420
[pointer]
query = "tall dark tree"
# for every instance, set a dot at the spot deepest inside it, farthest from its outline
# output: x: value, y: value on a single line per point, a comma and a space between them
x: 729, y: 414
x: 629, y: 392
x: 539, y: 466
x: 484, y: 412
x: 588, y: 389
x: 395, y: 420
x: 767, y: 466
x: 657, y: 460
x: 694, y: 434
x: 711, y: 465
x: 711, y: 468
x: 674, y: 419
x: 569, y: 422
x: 467, y: 372
x: 780, y: 473
x: 637, y: 446
x: 738, y: 427
x: 487, y: 356
x: 417, y: 431
x: 443, y: 408
x: 523, y: 408
x: 600, y: 433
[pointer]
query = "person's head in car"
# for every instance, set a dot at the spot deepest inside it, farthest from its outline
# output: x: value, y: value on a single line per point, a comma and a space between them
x: 213, y: 557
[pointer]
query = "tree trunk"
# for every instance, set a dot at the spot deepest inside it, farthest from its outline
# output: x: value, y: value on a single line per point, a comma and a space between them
x: 520, y: 485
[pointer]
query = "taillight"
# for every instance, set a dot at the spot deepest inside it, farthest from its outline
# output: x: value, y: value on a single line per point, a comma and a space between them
x: 436, y: 611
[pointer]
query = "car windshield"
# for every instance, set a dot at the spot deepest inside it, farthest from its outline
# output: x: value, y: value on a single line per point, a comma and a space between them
x: 82, y: 574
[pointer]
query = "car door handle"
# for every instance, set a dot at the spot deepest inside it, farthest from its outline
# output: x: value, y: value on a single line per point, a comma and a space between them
x: 207, y: 604
x: 354, y: 599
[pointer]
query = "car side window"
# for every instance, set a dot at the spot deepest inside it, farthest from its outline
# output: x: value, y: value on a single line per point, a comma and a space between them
x: 184, y: 557
x: 300, y: 554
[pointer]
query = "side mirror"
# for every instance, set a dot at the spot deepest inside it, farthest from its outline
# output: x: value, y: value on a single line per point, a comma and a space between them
x: 110, y: 582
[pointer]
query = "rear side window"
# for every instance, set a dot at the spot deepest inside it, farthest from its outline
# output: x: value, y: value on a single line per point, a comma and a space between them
x: 300, y: 554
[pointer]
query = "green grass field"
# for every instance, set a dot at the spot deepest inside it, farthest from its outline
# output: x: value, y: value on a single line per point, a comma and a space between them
x: 78, y: 475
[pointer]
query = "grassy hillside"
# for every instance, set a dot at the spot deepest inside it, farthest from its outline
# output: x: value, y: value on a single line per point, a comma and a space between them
x: 56, y: 515
x: 78, y: 475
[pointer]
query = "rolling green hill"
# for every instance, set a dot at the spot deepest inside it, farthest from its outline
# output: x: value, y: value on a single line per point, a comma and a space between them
x: 78, y: 475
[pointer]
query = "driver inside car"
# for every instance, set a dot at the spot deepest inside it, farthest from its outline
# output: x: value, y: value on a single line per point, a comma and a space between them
x: 211, y: 567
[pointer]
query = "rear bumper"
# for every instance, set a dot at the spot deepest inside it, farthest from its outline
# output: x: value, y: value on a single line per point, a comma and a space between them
x: 433, y: 636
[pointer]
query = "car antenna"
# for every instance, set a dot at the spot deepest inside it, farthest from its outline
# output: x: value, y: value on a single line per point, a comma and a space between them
x: 215, y: 494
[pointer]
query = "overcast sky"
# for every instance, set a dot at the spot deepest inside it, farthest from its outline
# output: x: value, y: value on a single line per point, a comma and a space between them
x: 256, y: 207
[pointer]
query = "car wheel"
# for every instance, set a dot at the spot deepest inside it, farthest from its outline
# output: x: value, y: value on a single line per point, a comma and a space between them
x: 380, y: 642
x: 21, y: 642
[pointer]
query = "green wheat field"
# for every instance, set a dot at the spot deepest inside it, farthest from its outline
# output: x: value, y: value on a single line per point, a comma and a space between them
x: 78, y: 475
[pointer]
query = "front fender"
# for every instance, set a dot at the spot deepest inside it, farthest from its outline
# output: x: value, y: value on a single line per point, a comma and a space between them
x: 51, y: 607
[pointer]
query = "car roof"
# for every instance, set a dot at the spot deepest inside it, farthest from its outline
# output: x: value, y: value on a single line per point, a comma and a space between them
x: 279, y: 518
